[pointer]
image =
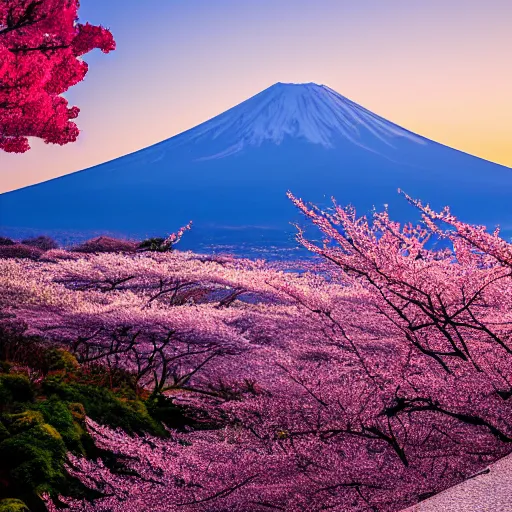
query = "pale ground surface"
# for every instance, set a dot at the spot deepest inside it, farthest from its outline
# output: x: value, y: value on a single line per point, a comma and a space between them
x: 491, y: 492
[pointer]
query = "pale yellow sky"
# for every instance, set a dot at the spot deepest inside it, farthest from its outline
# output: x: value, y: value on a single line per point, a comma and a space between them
x: 441, y: 69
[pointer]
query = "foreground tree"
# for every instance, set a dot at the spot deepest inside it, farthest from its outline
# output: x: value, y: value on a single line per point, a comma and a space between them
x: 40, y: 48
x: 367, y: 382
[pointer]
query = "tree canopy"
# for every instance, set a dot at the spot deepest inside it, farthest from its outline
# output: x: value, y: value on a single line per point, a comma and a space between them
x: 41, y: 49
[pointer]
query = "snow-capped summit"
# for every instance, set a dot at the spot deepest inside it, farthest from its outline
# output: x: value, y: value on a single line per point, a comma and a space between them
x: 230, y: 176
x: 314, y: 113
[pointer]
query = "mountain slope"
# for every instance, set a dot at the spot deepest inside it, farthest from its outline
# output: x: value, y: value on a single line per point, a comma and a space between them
x: 230, y: 175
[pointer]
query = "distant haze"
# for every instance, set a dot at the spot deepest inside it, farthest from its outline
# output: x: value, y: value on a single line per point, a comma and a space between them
x: 231, y: 173
x: 440, y: 68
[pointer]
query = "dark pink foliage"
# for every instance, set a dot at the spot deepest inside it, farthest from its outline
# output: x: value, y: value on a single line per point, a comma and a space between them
x: 45, y: 243
x: 6, y: 241
x: 40, y: 46
x: 54, y: 255
x: 20, y: 251
x: 106, y: 244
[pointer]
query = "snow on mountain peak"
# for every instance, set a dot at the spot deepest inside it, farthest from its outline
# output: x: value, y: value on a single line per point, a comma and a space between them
x: 312, y: 112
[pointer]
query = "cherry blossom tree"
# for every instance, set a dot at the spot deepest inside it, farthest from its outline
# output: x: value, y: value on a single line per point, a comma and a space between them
x: 41, y: 49
x: 367, y: 381
x: 450, y: 310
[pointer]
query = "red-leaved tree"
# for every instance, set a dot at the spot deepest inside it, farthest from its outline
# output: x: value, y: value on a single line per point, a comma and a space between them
x: 41, y: 44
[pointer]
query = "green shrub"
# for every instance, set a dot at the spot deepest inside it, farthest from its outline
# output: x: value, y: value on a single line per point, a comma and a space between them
x: 20, y: 422
x: 5, y: 367
x: 14, y: 388
x: 116, y: 379
x: 40, y: 424
x: 162, y: 409
x: 13, y: 505
x: 32, y: 456
x: 4, y: 433
x: 152, y: 244
x: 71, y: 427
x: 60, y: 359
x: 77, y: 410
x: 104, y: 407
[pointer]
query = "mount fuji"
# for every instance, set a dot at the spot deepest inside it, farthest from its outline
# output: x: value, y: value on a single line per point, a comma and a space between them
x: 230, y: 175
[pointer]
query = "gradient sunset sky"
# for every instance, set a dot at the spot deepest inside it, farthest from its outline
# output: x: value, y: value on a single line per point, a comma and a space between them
x: 440, y: 68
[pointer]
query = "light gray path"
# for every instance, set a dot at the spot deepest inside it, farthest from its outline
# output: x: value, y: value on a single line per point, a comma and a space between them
x: 490, y: 492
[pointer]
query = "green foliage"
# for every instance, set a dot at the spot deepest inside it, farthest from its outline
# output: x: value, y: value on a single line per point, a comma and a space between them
x: 59, y: 359
x: 162, y: 409
x: 5, y: 367
x: 116, y: 379
x: 40, y: 424
x: 152, y: 244
x: 20, y: 422
x: 67, y: 421
x: 4, y: 433
x: 104, y: 406
x: 14, y: 388
x: 13, y: 505
x: 32, y: 456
